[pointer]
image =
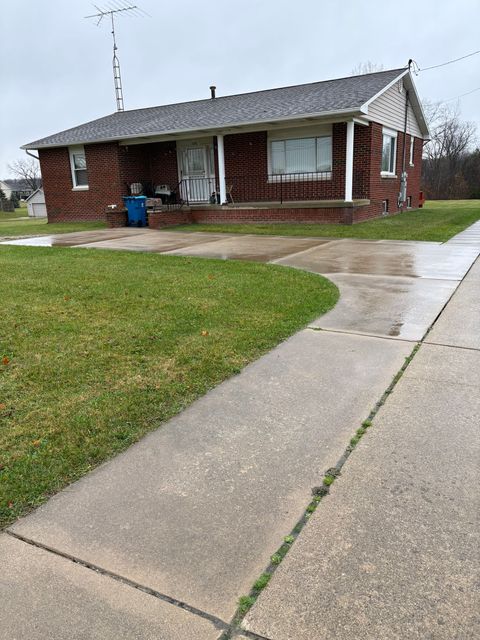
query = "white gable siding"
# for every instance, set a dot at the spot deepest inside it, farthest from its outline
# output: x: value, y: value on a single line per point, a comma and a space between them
x: 6, y: 189
x: 389, y: 109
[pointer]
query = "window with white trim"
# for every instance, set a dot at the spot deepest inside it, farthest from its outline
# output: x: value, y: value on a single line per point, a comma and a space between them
x: 389, y: 152
x: 412, y: 150
x: 301, y: 155
x: 78, y: 166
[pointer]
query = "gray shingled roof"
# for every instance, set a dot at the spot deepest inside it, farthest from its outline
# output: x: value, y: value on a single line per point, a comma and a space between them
x: 342, y: 95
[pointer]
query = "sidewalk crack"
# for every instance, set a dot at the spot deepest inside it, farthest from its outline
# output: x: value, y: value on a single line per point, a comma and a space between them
x: 218, y: 623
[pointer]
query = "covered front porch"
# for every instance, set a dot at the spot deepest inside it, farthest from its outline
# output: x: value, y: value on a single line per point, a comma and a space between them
x: 302, y: 173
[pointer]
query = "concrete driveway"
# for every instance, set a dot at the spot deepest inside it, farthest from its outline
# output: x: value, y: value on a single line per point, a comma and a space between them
x: 392, y: 289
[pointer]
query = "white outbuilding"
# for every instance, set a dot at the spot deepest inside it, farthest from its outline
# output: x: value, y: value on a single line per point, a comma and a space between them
x: 36, y: 204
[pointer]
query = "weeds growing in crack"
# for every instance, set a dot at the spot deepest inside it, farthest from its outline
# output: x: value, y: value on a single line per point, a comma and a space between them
x: 262, y: 582
x: 245, y: 603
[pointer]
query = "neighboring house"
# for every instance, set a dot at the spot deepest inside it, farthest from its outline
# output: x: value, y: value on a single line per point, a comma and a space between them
x: 6, y: 189
x: 18, y: 187
x: 330, y: 151
x: 36, y: 204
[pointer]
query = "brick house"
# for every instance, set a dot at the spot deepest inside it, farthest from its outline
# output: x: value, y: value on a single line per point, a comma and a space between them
x: 332, y: 151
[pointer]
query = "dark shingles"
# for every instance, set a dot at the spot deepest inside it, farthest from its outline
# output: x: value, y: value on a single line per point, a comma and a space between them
x: 318, y: 97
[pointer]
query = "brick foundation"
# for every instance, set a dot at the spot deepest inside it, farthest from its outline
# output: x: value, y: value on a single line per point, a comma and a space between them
x: 161, y: 219
x: 116, y: 218
x: 292, y: 215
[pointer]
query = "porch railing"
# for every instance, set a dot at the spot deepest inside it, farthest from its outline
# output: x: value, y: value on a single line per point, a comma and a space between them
x: 287, y: 187
x: 279, y: 188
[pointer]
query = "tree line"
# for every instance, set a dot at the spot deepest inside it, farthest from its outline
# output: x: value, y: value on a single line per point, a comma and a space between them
x: 451, y: 162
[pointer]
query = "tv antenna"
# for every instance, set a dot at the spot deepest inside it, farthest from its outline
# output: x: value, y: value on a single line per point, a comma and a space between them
x: 116, y: 8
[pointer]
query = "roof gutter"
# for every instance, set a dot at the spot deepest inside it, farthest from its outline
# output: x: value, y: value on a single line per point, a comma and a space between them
x: 30, y: 154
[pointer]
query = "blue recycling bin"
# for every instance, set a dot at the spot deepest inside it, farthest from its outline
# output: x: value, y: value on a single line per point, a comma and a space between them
x: 137, y: 210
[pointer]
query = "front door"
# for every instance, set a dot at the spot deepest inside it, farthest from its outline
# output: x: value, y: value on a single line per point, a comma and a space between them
x: 198, y: 177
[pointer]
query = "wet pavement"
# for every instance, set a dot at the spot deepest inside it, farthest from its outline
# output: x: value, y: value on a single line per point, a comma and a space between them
x: 401, y: 555
x: 388, y: 288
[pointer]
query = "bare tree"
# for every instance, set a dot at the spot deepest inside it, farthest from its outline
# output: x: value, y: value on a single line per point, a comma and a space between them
x: 28, y: 171
x: 451, y: 142
x: 363, y: 68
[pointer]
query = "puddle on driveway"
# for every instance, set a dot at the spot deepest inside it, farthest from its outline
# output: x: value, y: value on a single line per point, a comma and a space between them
x: 414, y: 260
x: 76, y: 238
x: 257, y: 248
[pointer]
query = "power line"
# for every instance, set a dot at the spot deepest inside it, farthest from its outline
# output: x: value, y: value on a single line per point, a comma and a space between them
x: 461, y: 95
x: 443, y: 64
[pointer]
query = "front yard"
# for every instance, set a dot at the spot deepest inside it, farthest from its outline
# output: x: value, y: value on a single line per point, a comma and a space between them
x: 12, y: 224
x: 97, y: 348
x: 437, y: 221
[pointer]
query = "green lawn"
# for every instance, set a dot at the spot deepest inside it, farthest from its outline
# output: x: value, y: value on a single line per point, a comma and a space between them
x: 97, y: 348
x: 437, y: 221
x: 10, y: 225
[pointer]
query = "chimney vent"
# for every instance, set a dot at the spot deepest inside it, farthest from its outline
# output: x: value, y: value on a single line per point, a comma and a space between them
x: 212, y: 91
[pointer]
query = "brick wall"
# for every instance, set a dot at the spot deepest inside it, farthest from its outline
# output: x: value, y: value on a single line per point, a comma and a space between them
x: 246, y: 170
x: 163, y: 163
x: 361, y: 161
x: 150, y: 164
x: 386, y: 188
x: 134, y: 165
x: 112, y: 167
x: 64, y: 203
x: 272, y: 215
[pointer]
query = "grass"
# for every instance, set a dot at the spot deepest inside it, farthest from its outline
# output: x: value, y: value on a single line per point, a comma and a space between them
x: 98, y: 348
x: 438, y: 221
x: 10, y: 225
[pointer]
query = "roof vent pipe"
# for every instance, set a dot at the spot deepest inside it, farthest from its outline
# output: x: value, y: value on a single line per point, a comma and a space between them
x: 212, y: 91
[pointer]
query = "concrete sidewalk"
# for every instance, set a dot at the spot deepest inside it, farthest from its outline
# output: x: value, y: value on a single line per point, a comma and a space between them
x: 394, y: 551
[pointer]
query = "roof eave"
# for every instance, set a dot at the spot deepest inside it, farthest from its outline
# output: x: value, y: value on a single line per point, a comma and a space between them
x: 350, y: 112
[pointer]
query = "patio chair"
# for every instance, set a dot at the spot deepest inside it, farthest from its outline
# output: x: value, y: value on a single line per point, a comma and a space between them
x: 229, y: 189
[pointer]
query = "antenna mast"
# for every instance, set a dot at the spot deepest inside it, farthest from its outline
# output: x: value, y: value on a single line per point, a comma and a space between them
x: 117, y: 78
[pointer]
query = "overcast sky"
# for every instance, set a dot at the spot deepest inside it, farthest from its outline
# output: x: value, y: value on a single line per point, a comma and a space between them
x: 55, y: 66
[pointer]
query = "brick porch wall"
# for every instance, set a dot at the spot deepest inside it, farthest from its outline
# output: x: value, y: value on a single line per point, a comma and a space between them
x: 292, y: 215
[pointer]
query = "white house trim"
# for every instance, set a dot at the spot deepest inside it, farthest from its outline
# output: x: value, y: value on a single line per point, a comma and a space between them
x: 322, y: 130
x: 221, y: 168
x: 391, y: 133
x: 382, y: 91
x: 349, y: 161
x: 71, y: 151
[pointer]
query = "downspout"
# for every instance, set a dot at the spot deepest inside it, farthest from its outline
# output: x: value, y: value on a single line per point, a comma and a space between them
x: 402, y: 196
